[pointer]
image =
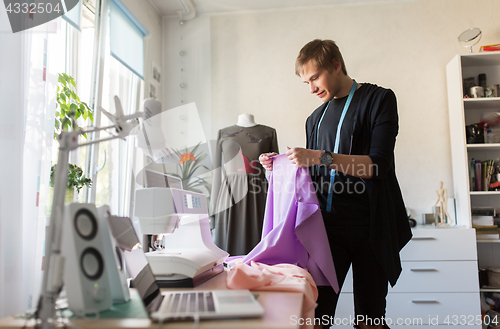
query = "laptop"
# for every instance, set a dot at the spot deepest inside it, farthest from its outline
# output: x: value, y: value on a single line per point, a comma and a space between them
x: 177, y: 305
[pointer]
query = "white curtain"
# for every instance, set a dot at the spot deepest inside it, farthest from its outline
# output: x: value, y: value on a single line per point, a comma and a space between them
x: 29, y: 62
x: 11, y: 145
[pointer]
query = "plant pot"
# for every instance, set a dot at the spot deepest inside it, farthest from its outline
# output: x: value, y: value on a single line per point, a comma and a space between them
x: 68, y: 198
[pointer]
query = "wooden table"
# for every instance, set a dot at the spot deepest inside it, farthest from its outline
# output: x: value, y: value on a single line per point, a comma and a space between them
x: 279, y: 308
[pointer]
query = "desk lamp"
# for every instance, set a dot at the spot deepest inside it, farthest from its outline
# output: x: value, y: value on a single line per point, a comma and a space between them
x: 54, y: 266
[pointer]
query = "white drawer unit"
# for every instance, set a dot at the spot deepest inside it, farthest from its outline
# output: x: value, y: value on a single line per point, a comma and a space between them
x: 438, y: 276
x: 425, y: 307
x: 438, y: 285
x: 441, y: 244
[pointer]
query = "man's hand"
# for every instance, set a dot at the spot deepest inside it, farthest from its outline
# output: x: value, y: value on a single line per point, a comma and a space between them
x: 266, y: 161
x: 302, y: 157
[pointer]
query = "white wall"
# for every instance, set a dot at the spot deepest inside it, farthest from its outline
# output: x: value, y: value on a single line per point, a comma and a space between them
x: 193, y: 69
x: 402, y: 45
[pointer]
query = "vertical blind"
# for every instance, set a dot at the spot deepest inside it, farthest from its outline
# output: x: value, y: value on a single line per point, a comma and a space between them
x: 126, y: 38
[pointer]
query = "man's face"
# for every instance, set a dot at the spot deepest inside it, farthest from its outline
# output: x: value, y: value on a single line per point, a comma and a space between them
x: 322, y: 83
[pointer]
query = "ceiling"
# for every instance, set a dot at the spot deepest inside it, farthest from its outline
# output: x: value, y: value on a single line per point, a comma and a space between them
x: 171, y: 7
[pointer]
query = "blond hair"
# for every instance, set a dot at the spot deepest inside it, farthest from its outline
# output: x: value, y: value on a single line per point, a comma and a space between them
x: 324, y: 53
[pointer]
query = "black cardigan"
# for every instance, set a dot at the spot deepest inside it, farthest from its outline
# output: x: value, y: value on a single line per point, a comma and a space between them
x: 374, y: 134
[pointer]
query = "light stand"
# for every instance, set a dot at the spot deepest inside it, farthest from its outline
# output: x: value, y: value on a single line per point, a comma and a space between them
x: 54, y: 261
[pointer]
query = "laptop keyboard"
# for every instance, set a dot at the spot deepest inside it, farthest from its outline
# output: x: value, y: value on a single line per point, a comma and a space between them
x: 182, y: 303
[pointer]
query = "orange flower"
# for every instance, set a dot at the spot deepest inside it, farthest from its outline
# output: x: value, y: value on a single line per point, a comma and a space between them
x: 187, y: 157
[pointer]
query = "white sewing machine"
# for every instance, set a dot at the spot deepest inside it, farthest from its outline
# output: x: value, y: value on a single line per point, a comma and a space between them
x: 189, y: 256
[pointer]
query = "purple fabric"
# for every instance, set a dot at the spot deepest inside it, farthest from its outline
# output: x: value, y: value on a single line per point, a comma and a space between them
x: 293, y: 231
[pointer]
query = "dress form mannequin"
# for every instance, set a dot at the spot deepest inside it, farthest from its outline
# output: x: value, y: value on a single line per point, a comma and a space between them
x: 239, y: 185
x: 246, y: 120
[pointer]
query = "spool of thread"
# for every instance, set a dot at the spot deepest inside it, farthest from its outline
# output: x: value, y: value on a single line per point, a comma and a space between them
x: 496, y: 90
x: 477, y: 91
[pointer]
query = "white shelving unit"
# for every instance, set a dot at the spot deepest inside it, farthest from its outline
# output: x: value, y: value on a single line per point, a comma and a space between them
x: 463, y: 112
x: 466, y: 111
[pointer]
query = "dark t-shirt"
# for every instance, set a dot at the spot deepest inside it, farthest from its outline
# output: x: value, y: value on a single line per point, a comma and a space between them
x: 350, y: 203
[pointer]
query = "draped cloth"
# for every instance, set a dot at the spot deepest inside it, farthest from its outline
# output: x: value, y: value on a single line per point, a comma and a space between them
x: 293, y: 230
x: 281, y: 277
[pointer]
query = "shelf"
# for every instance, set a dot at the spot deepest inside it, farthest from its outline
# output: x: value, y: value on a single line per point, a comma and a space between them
x: 488, y: 241
x: 483, y: 146
x: 489, y: 289
x: 485, y: 193
x: 482, y: 103
x: 481, y: 59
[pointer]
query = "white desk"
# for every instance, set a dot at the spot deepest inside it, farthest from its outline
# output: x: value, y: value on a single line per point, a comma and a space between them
x: 278, y: 306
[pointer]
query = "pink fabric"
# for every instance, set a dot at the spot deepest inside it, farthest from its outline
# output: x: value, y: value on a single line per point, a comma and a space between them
x: 281, y: 277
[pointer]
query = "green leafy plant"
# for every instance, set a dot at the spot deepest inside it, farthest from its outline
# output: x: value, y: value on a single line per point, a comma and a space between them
x: 69, y: 102
x: 189, y: 164
x: 76, y: 178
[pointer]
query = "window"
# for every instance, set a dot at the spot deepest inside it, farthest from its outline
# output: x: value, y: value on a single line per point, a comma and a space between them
x: 121, y: 75
x: 77, y: 45
x: 114, y: 180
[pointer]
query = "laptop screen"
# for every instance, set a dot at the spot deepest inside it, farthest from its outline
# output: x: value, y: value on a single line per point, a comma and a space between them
x: 136, y: 262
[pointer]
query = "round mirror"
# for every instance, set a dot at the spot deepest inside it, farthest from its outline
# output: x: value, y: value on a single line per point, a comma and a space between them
x: 470, y: 37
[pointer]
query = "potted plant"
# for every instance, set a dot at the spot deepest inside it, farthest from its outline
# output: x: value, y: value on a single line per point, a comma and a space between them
x: 76, y: 180
x: 69, y: 106
x: 69, y: 103
x: 188, y: 165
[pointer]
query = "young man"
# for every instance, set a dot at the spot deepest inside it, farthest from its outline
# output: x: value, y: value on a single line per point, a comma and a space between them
x: 350, y: 152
